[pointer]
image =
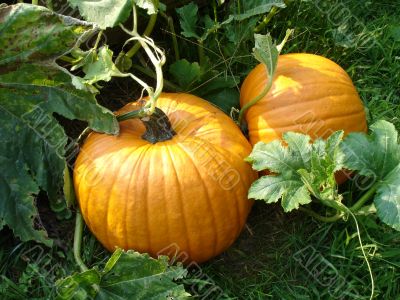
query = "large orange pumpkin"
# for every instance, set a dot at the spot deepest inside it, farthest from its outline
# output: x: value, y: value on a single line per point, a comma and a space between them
x: 186, y: 194
x: 310, y: 94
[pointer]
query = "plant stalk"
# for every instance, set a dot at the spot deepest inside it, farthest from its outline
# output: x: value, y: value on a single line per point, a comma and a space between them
x: 149, y: 28
x: 78, y: 244
x: 269, y: 83
x: 49, y: 4
x: 168, y: 84
x: 67, y: 59
x: 139, y: 113
x: 360, y: 202
x: 171, y: 26
x: 255, y: 100
x: 274, y: 10
x: 78, y: 241
x: 317, y: 216
x: 200, y: 48
x: 96, y: 44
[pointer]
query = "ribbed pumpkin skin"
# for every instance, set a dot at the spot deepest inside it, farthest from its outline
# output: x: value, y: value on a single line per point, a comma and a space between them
x: 310, y: 94
x: 190, y: 191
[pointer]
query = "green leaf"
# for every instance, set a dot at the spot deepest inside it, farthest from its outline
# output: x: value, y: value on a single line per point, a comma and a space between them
x: 300, y: 169
x: 127, y: 275
x: 251, y: 8
x: 266, y: 52
x: 238, y: 33
x: 105, y: 13
x: 377, y: 155
x: 148, y: 5
x: 394, y: 31
x: 102, y: 68
x: 30, y: 88
x: 34, y: 34
x: 387, y: 199
x: 188, y: 19
x: 225, y: 99
x: 215, y: 84
x: 290, y: 190
x: 33, y: 87
x: 210, y: 26
x: 185, y: 73
x: 17, y: 209
x: 123, y: 62
x: 280, y: 159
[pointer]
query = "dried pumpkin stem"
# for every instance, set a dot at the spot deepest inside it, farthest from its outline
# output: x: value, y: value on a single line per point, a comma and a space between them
x: 158, y: 127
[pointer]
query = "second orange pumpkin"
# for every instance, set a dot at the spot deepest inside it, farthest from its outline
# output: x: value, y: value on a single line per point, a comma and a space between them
x: 310, y: 94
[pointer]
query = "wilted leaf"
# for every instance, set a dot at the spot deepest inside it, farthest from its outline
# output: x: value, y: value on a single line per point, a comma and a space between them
x: 32, y: 88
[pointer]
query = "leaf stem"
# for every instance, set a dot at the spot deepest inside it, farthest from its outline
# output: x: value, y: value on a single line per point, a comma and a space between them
x: 78, y: 244
x: 139, y: 113
x: 317, y: 216
x: 269, y: 83
x: 149, y: 28
x: 157, y: 58
x: 96, y: 44
x: 255, y: 100
x: 168, y: 84
x: 49, y: 4
x: 78, y: 241
x: 274, y: 10
x: 200, y: 48
x: 67, y: 59
x: 360, y: 202
x: 170, y: 23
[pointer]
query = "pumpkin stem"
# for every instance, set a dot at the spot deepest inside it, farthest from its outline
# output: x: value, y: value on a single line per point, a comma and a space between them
x: 158, y: 127
x: 78, y: 241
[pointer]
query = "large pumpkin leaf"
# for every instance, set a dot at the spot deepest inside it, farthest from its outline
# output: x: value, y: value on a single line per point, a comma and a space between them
x: 252, y: 8
x: 188, y: 19
x: 378, y: 156
x: 301, y: 170
x: 185, y: 73
x: 106, y: 13
x: 127, y: 275
x: 110, y: 13
x: 32, y: 88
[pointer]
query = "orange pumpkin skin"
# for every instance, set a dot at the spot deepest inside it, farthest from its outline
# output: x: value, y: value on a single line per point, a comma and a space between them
x: 310, y: 94
x: 187, y: 194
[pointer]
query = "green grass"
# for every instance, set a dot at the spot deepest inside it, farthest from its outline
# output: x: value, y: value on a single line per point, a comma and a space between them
x: 30, y: 270
x: 262, y: 264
